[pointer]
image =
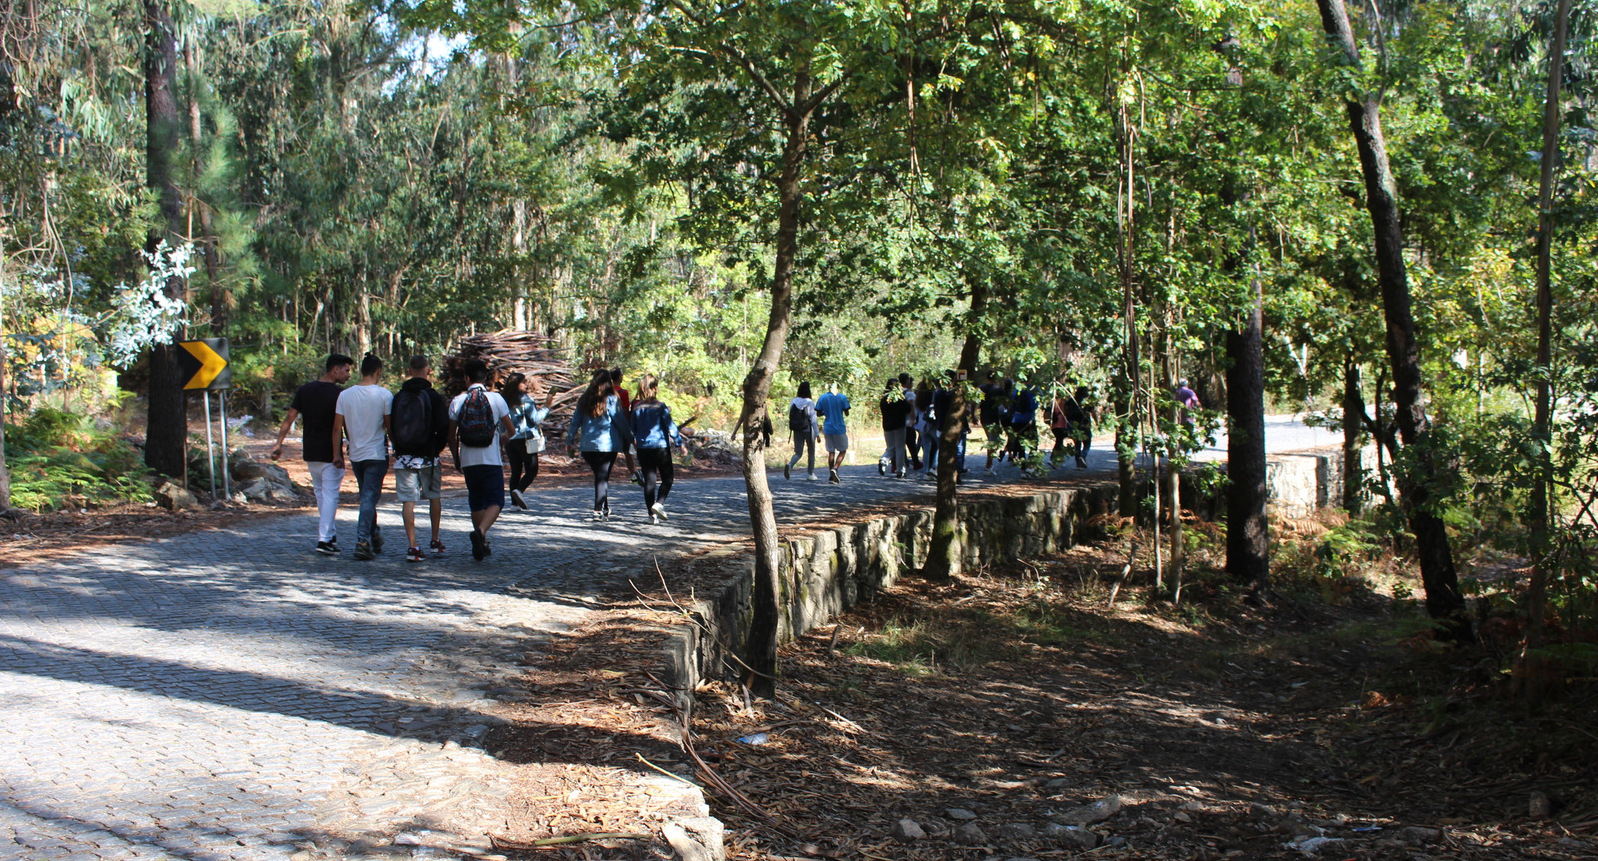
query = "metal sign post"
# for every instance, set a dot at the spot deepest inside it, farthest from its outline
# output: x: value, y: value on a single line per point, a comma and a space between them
x: 204, y: 366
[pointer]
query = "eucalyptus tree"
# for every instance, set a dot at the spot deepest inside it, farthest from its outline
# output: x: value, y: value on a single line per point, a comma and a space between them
x: 1363, y: 104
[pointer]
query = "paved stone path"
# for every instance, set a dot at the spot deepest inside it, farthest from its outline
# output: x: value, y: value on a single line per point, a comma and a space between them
x: 233, y: 695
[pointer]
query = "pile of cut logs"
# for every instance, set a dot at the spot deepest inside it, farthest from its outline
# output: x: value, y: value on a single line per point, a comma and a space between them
x: 511, y: 351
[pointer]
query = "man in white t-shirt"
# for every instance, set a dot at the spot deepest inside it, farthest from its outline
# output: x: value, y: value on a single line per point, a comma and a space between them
x: 362, y: 415
x: 477, y: 419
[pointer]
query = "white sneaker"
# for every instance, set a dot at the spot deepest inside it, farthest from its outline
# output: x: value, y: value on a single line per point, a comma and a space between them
x: 810, y: 477
x: 653, y: 520
x: 987, y: 471
x: 657, y: 510
x: 597, y: 515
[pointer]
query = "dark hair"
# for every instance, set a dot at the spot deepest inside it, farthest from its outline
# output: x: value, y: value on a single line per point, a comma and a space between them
x: 511, y: 388
x: 892, y: 385
x: 338, y: 360
x: 905, y: 380
x: 371, y: 365
x: 418, y: 363
x: 647, y: 385
x: 593, y: 401
x: 476, y: 370
x: 804, y: 389
x: 615, y: 375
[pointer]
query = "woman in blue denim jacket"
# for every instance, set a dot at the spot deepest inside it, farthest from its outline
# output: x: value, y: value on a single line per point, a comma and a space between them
x: 527, y: 441
x: 601, y: 432
x: 653, y: 434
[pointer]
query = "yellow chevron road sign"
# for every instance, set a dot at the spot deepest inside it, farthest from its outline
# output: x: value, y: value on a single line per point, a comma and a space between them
x: 204, y: 364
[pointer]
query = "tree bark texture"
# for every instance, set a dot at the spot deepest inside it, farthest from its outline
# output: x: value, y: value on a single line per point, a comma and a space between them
x: 764, y: 626
x: 943, y: 557
x: 168, y: 422
x: 1247, y: 530
x: 1436, y: 557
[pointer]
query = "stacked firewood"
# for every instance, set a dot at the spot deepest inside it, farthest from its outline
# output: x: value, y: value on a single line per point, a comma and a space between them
x: 511, y: 351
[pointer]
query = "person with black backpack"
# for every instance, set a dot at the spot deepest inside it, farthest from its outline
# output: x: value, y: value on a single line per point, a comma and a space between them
x: 802, y: 422
x: 476, y: 418
x: 419, y: 430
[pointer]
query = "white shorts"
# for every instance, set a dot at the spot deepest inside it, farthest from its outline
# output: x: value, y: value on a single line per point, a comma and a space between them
x: 415, y: 485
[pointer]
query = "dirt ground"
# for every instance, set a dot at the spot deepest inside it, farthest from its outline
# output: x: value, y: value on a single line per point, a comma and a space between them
x: 991, y: 713
x: 1018, y: 714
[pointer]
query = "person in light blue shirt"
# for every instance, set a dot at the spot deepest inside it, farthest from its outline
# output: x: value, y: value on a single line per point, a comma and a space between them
x: 601, y: 431
x: 832, y: 407
x: 653, y: 433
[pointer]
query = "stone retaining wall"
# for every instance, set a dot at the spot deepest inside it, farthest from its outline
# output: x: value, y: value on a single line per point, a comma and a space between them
x: 828, y: 571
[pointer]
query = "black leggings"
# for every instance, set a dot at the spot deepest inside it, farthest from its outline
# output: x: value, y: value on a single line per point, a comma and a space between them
x: 656, y: 464
x: 601, y: 462
x: 523, y: 464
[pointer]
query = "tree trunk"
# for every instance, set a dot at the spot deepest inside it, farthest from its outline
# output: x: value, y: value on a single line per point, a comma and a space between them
x: 1443, y: 598
x: 946, y: 550
x: 1125, y: 455
x: 168, y: 422
x: 1247, y: 530
x: 221, y: 302
x: 1128, y: 383
x: 1353, y: 418
x: 5, y: 472
x: 1533, y: 670
x: 765, y: 622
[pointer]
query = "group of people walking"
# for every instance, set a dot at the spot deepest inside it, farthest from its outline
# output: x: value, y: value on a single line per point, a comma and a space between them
x: 914, y: 416
x: 360, y: 427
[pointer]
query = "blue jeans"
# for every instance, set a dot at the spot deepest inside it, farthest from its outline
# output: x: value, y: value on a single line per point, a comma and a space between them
x: 369, y: 479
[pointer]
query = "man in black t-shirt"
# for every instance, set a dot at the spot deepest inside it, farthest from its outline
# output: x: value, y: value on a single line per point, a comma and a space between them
x: 317, y: 402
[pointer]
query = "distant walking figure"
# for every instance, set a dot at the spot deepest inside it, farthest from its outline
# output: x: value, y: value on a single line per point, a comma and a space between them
x: 895, y: 408
x: 833, y: 406
x: 802, y: 422
x: 1081, y: 419
x: 1189, y: 401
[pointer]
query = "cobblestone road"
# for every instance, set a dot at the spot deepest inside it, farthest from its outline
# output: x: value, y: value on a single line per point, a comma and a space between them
x: 233, y: 695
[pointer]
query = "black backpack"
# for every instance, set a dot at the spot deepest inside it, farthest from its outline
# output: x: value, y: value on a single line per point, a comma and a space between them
x: 475, y: 424
x: 797, y: 420
x: 411, y: 421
